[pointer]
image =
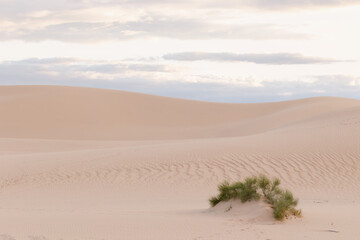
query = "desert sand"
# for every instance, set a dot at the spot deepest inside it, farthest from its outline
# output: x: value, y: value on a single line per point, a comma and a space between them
x: 82, y: 163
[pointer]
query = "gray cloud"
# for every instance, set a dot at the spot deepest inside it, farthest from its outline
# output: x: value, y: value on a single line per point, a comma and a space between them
x: 37, y: 61
x: 36, y: 71
x: 122, y: 67
x: 52, y: 70
x: 154, y: 27
x: 273, y: 58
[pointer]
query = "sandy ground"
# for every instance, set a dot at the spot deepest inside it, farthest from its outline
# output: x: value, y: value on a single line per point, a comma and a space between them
x: 79, y: 163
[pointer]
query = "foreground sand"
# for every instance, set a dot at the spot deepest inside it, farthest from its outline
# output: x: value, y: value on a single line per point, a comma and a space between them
x: 81, y: 163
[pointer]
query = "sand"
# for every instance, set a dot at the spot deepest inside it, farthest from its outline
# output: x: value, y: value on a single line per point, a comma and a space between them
x: 82, y: 163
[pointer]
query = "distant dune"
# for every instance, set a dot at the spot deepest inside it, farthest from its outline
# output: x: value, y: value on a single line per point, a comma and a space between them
x: 50, y: 112
x: 83, y: 163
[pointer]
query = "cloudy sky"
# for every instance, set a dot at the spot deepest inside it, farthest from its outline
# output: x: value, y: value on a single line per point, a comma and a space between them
x: 237, y: 51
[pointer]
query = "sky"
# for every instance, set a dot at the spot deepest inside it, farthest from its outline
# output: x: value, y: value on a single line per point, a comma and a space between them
x: 209, y: 50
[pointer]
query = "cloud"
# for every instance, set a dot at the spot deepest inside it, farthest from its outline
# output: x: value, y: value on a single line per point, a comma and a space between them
x: 272, y: 58
x: 153, y: 78
x: 20, y: 8
x: 37, y: 61
x: 22, y: 5
x: 259, y: 4
x: 110, y: 20
x: 286, y: 4
x: 65, y: 70
x: 156, y: 26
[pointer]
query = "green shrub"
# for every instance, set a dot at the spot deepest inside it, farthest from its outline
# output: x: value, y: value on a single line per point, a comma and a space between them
x: 270, y: 189
x: 248, y: 190
x: 284, y: 206
x: 227, y: 192
x: 214, y: 201
x: 283, y: 202
x: 245, y: 191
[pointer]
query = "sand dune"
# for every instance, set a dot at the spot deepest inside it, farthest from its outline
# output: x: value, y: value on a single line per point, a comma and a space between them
x: 85, y: 113
x: 80, y: 163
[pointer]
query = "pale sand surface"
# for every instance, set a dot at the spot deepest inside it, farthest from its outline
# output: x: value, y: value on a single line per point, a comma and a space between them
x: 79, y: 163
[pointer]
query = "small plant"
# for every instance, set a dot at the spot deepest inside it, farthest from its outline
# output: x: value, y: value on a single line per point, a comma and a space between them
x: 282, y: 201
x: 270, y: 189
x: 284, y: 206
x: 248, y: 190
x: 245, y: 191
x: 227, y: 192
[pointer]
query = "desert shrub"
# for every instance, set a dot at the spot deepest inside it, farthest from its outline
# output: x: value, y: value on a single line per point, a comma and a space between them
x: 245, y: 191
x: 270, y: 189
x: 226, y: 192
x: 284, y: 206
x: 248, y: 190
x: 295, y: 212
x: 253, y: 188
x: 214, y: 201
x: 283, y: 202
